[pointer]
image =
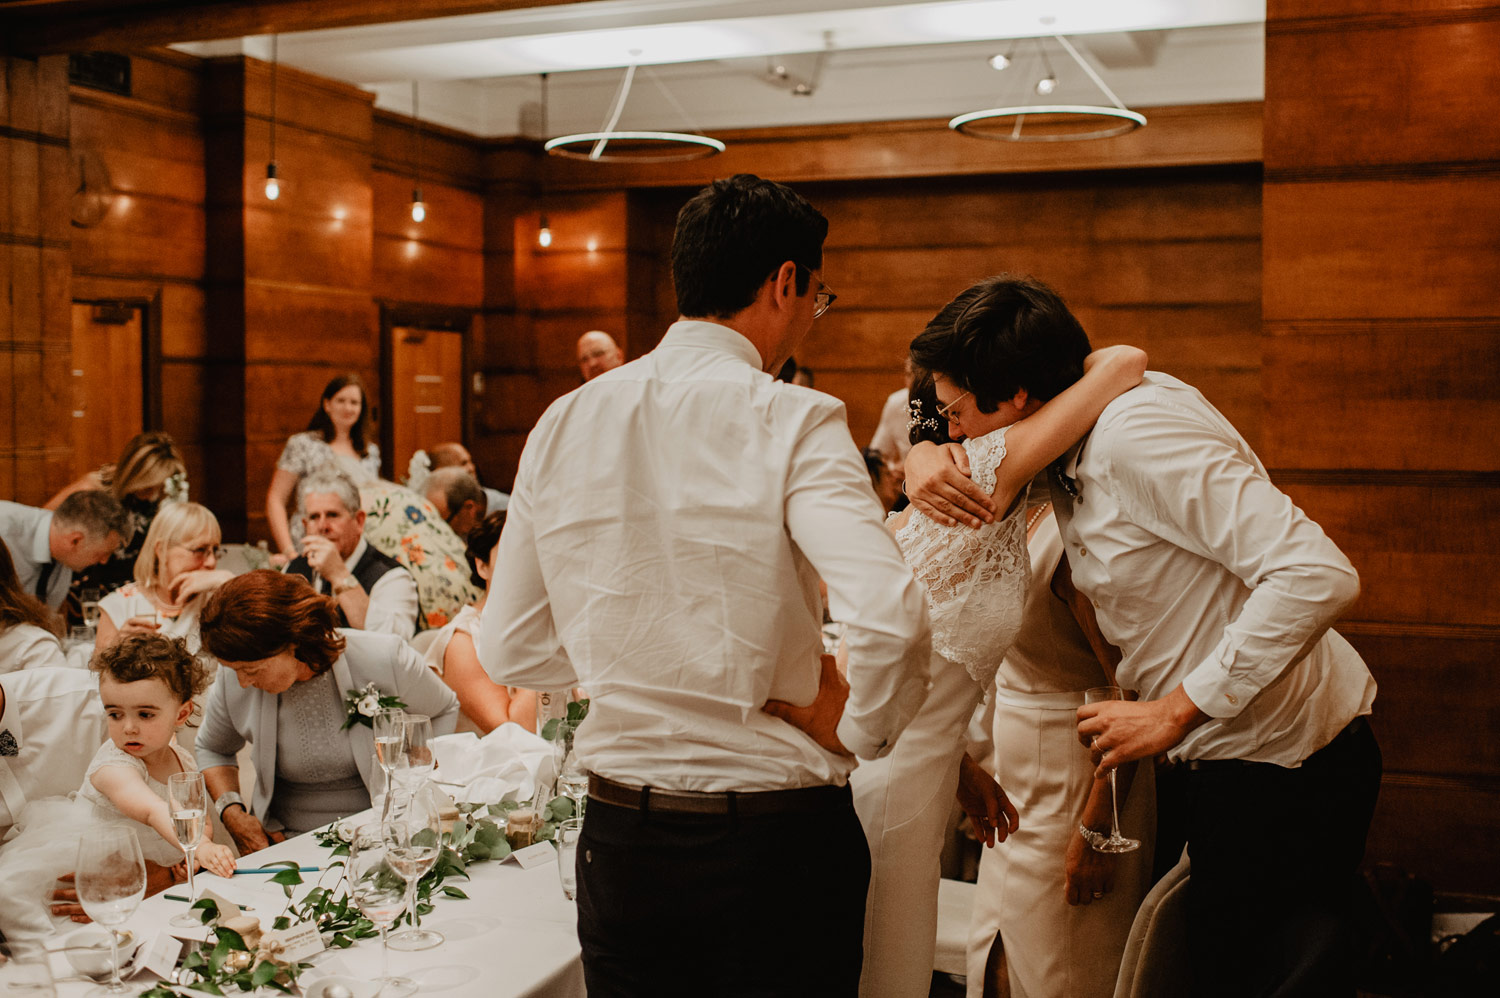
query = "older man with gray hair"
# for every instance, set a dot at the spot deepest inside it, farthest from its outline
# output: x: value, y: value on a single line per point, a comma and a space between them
x: 48, y: 546
x: 374, y: 592
x: 457, y: 497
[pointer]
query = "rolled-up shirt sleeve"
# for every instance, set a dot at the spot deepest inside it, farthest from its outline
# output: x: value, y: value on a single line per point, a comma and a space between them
x: 832, y: 515
x: 518, y: 640
x: 1180, y: 479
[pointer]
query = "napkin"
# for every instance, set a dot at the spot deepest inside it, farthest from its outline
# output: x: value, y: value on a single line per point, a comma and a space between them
x: 509, y: 763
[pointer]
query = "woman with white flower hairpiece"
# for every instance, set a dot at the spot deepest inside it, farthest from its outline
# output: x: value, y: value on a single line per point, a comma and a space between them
x: 306, y: 692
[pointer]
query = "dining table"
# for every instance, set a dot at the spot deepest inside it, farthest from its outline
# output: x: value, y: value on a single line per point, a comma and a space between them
x: 515, y: 936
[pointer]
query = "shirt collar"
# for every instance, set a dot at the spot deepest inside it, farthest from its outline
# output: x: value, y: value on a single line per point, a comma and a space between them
x: 356, y: 554
x: 1069, y: 460
x: 41, y: 544
x: 700, y: 334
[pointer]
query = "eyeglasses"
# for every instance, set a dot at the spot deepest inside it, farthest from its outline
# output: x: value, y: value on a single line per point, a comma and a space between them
x: 822, y: 298
x: 945, y: 411
x: 204, y: 550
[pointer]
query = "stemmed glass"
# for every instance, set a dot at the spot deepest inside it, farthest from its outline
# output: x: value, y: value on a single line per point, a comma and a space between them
x: 572, y: 778
x: 414, y: 844
x: 1116, y: 842
x: 379, y: 891
x: 187, y: 800
x: 414, y: 762
x: 111, y: 879
x: 388, y: 726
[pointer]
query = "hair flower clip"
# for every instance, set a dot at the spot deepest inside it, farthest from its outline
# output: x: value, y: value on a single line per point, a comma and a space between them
x: 916, y: 420
x: 175, y: 488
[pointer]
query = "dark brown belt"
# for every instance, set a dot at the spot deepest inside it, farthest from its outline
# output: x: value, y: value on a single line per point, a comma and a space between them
x: 748, y: 804
x: 1349, y: 730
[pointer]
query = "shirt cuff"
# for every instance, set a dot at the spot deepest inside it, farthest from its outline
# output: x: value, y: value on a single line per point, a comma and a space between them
x: 1215, y: 691
x: 860, y: 742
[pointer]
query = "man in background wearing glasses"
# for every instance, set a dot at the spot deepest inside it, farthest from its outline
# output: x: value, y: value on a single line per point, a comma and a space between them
x: 669, y: 525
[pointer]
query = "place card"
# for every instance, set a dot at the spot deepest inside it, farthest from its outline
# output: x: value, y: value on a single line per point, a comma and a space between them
x: 294, y: 943
x: 162, y: 956
x: 534, y: 855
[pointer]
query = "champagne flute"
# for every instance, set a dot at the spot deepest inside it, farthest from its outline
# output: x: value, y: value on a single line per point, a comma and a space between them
x: 1116, y: 842
x: 111, y: 879
x: 187, y: 800
x: 415, y: 762
x: 379, y: 891
x: 415, y: 843
x: 388, y: 726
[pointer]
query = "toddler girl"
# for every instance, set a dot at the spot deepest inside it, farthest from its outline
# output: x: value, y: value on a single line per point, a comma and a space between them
x: 146, y: 684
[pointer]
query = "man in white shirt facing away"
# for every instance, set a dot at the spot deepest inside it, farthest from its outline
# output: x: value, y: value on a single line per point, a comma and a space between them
x: 374, y: 591
x: 48, y: 546
x: 1220, y: 594
x: 667, y: 531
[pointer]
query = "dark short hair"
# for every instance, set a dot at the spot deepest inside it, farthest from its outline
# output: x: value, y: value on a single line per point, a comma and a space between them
x: 481, y: 541
x: 263, y: 613
x: 138, y: 657
x: 96, y: 512
x: 733, y: 235
x: 323, y: 425
x: 457, y: 487
x: 1001, y: 335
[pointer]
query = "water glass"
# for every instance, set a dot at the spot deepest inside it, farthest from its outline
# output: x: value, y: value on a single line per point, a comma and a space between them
x: 187, y: 801
x: 566, y: 839
x: 413, y: 846
x: 415, y: 762
x: 379, y: 891
x: 111, y: 879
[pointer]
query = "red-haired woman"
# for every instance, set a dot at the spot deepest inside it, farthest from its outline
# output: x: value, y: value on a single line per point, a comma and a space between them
x: 313, y: 749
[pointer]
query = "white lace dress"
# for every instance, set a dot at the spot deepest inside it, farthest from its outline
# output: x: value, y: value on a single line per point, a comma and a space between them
x: 44, y: 845
x: 976, y: 588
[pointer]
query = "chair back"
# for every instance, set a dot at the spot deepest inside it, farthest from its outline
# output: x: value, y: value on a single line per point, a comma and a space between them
x: 1155, y: 963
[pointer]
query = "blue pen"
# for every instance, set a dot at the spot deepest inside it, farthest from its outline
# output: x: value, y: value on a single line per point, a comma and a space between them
x: 278, y: 869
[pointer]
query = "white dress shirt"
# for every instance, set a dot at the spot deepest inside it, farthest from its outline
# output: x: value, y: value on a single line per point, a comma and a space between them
x: 1203, y: 573
x: 50, y: 727
x: 665, y: 536
x: 26, y: 530
x: 26, y: 646
x: 393, y: 597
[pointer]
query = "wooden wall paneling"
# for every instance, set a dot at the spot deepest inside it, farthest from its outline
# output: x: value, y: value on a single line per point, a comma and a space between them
x: 1380, y: 261
x: 1419, y: 395
x: 413, y: 270
x: 1404, y: 92
x: 446, y: 156
x: 455, y: 216
x: 1405, y: 248
x: 1177, y: 136
x: 333, y: 327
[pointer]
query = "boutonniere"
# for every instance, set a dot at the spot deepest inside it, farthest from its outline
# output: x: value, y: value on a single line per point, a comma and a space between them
x: 361, y: 706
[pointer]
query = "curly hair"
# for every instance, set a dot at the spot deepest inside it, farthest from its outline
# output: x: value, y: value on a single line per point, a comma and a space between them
x: 264, y: 613
x: 138, y: 657
x: 481, y: 543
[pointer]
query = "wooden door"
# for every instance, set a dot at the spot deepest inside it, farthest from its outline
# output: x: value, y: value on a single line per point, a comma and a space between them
x: 108, y: 387
x: 427, y: 396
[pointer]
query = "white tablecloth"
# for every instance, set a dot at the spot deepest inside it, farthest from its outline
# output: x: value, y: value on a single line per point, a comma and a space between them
x: 515, y: 937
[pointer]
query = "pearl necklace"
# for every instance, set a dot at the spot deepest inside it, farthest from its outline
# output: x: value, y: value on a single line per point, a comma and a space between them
x: 1037, y: 514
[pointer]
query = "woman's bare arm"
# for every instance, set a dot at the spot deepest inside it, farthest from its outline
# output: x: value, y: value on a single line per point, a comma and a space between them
x: 483, y: 701
x: 278, y: 495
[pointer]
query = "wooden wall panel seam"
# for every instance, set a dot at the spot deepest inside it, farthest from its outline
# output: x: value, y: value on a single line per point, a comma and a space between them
x: 1367, y: 477
x: 1425, y: 170
x: 133, y: 106
x: 233, y: 120
x: 1377, y: 21
x: 1398, y: 629
x: 33, y: 242
x: 27, y: 135
x: 1431, y: 781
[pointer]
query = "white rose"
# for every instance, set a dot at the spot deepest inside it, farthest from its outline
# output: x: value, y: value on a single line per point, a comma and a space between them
x: 369, y: 705
x: 343, y: 831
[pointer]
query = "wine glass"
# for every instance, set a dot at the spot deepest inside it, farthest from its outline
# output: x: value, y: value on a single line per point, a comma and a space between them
x: 1116, y: 842
x: 88, y: 603
x: 414, y: 762
x: 379, y: 891
x: 572, y: 778
x: 414, y: 845
x: 187, y: 800
x: 388, y: 727
x: 111, y: 879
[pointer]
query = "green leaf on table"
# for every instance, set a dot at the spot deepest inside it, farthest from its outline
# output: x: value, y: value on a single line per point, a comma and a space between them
x: 230, y: 938
x: 287, y: 878
x: 454, y: 892
x: 208, y: 986
x: 264, y: 971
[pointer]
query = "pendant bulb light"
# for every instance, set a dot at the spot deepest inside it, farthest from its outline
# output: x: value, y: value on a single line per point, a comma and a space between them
x: 273, y: 183
x: 418, y: 207
x: 544, y: 234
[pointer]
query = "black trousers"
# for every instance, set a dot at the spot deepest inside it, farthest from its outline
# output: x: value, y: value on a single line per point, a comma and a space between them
x: 1275, y: 855
x: 773, y: 905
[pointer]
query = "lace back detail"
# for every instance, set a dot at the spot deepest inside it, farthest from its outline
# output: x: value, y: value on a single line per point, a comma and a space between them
x: 975, y: 579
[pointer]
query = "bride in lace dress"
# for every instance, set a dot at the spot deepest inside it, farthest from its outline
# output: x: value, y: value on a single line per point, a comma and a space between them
x: 976, y: 584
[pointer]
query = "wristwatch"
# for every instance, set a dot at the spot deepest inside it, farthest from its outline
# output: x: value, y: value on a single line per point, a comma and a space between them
x: 343, y: 585
x: 229, y: 799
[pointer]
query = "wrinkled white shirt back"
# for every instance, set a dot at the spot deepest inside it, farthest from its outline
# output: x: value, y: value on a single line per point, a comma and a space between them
x: 1204, y: 573
x: 663, y: 545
